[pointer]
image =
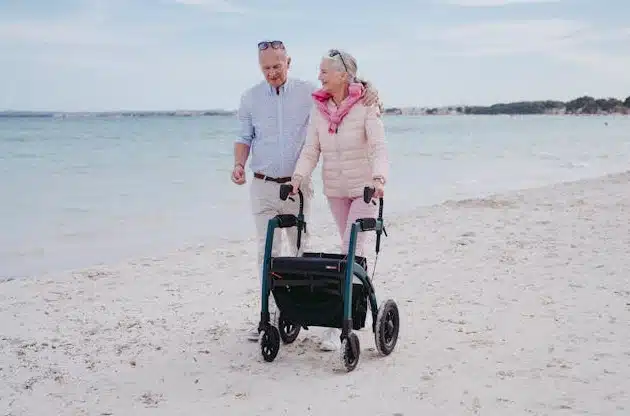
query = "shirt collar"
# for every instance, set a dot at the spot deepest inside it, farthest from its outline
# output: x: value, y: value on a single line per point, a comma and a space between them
x: 283, y: 89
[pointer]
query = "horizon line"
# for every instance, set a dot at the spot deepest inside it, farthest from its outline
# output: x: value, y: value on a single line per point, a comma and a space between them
x: 220, y: 111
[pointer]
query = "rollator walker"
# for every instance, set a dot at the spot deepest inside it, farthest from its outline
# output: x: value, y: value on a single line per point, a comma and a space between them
x: 324, y: 289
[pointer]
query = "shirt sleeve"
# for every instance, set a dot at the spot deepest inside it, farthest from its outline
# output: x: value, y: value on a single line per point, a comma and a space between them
x: 244, y: 115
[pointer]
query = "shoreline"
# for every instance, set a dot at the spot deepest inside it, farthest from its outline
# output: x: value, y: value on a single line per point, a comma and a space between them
x: 324, y: 227
x: 211, y: 243
x: 512, y: 303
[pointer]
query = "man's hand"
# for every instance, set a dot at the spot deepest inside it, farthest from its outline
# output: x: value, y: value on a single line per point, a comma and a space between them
x: 238, y: 174
x: 370, y: 95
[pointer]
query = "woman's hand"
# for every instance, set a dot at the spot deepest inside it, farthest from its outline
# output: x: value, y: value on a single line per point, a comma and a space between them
x: 379, y: 188
x: 296, y: 181
x: 370, y: 95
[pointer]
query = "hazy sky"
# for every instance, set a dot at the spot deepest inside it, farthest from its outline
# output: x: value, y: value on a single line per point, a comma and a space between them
x: 201, y: 54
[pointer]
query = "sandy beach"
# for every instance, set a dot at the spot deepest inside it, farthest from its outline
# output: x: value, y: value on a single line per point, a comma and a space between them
x: 516, y: 304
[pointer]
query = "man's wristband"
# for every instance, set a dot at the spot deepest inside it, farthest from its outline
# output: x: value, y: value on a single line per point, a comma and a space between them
x: 239, y: 164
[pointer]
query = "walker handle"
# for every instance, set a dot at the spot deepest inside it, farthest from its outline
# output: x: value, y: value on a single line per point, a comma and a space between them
x: 368, y: 193
x: 285, y: 191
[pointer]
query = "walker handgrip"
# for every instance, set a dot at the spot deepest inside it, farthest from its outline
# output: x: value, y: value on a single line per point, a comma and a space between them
x: 286, y: 220
x: 368, y: 193
x: 285, y: 190
x: 367, y: 224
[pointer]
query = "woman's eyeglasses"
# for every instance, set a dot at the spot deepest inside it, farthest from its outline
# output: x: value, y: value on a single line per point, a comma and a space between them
x: 335, y: 52
x: 274, y: 44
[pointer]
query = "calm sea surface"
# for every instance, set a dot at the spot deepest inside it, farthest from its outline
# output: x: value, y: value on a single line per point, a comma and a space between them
x: 78, y: 192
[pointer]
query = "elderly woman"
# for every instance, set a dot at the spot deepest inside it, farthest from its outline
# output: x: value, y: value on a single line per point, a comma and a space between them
x: 350, y: 138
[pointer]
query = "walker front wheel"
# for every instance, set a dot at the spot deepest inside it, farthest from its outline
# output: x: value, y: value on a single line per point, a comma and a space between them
x: 350, y: 352
x: 270, y: 343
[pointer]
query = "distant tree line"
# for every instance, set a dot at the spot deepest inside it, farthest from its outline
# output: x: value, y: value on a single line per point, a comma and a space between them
x: 581, y: 105
x: 520, y: 107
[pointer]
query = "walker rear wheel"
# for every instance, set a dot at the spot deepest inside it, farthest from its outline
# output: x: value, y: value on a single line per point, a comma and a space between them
x: 288, y: 331
x: 387, y: 327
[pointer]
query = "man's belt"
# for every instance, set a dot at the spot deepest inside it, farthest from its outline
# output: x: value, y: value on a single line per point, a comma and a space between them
x: 269, y: 178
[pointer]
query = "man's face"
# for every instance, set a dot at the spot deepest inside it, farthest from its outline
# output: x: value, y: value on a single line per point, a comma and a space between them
x: 274, y: 64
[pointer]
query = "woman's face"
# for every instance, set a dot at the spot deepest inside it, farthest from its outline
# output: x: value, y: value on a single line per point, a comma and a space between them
x: 332, y: 79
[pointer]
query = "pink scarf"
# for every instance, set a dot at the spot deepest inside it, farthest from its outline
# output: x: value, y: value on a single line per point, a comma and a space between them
x: 355, y: 91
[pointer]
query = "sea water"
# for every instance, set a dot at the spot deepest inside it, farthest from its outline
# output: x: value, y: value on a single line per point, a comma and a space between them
x: 76, y: 192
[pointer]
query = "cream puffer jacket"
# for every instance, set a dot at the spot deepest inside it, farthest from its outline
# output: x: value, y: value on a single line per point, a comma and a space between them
x: 352, y: 157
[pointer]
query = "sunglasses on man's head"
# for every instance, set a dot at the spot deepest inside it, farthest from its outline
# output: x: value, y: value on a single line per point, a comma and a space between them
x: 275, y: 44
x: 334, y: 52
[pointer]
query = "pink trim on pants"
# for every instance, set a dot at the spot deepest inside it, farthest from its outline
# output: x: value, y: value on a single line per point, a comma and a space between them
x: 346, y: 211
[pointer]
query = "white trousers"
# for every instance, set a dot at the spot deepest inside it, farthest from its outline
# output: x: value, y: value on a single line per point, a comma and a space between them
x: 266, y: 204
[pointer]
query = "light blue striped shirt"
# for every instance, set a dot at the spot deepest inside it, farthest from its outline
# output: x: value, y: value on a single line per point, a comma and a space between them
x: 273, y: 123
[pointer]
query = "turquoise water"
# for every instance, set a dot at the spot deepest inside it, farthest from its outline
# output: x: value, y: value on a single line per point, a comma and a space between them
x: 77, y: 192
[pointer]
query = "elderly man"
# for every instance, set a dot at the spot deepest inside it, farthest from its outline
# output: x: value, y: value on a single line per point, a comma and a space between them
x: 273, y: 117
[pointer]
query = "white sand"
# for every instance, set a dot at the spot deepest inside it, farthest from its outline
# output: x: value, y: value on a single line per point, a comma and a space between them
x: 512, y: 305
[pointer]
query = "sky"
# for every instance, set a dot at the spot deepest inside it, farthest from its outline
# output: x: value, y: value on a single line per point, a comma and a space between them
x: 96, y: 55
